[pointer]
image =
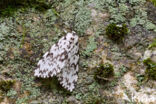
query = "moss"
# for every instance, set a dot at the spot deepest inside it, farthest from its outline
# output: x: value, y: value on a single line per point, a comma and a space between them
x: 9, y: 7
x: 115, y: 32
x: 104, y: 71
x: 150, y: 72
x: 1, y: 96
x: 153, y: 44
x: 6, y: 85
x: 153, y: 1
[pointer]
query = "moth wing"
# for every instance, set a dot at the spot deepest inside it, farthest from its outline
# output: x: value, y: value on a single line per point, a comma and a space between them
x: 51, y: 63
x: 68, y: 76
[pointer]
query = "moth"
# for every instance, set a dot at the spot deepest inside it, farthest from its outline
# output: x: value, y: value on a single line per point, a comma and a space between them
x: 61, y: 61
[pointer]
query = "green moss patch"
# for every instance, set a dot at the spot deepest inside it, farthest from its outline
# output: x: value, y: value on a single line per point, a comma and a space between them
x: 104, y: 71
x: 153, y: 44
x: 9, y: 7
x: 6, y: 85
x: 151, y: 69
x: 115, y: 32
x: 154, y: 2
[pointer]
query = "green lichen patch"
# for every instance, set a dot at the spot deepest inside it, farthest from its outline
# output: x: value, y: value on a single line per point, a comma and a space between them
x: 122, y: 70
x: 91, y: 46
x: 151, y: 69
x: 83, y: 20
x: 96, y: 98
x: 140, y: 78
x: 92, y: 99
x: 116, y: 32
x: 76, y: 15
x: 6, y: 85
x: 104, y: 72
x: 22, y: 43
x: 11, y: 93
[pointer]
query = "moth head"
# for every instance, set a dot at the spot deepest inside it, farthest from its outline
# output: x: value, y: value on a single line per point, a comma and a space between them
x: 72, y: 37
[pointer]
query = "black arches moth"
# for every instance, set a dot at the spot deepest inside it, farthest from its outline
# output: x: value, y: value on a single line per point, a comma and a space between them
x: 61, y: 61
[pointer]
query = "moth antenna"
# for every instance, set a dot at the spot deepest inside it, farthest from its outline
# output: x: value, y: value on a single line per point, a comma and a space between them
x: 73, y: 23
